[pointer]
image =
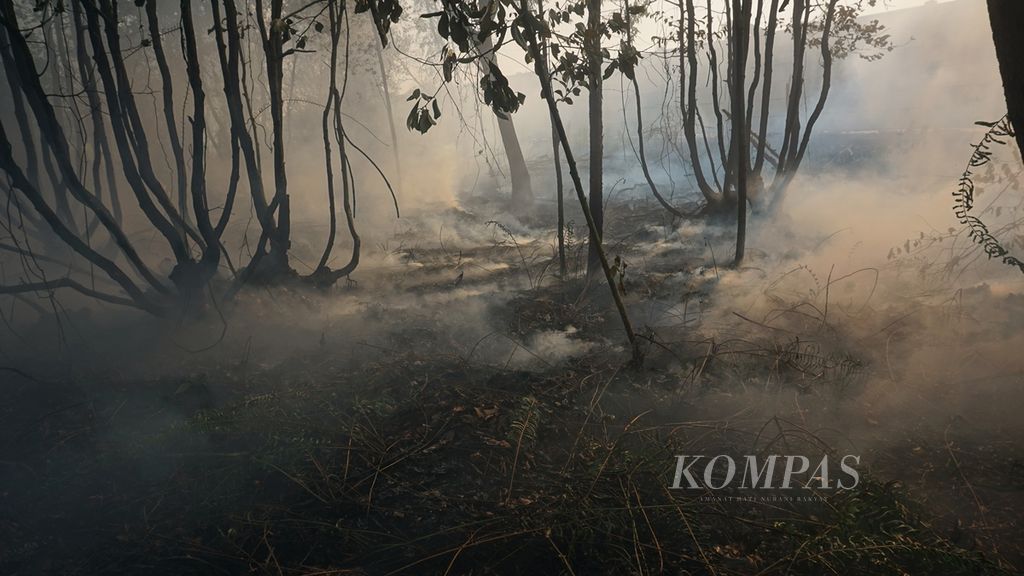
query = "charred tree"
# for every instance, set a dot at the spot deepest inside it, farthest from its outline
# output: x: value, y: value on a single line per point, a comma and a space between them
x: 1007, y: 20
x: 740, y: 128
x: 167, y: 95
x: 627, y: 61
x: 595, y: 100
x: 812, y: 25
x: 333, y: 128
x: 274, y: 265
x: 547, y: 93
x: 556, y: 156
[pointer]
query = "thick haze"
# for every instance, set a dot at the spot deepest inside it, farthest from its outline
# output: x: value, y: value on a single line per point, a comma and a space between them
x: 862, y: 311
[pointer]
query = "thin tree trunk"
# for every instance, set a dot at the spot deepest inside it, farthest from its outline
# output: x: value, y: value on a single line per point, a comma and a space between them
x: 826, y: 85
x: 780, y: 187
x: 273, y: 47
x: 766, y: 92
x: 102, y: 156
x: 792, y: 128
x: 211, y: 253
x: 25, y: 131
x: 59, y: 190
x: 688, y: 97
x: 51, y: 132
x: 755, y: 78
x: 556, y: 156
x: 348, y: 177
x: 129, y: 143
x: 539, y: 69
x: 640, y: 125
x: 386, y: 89
x: 57, y: 187
x: 740, y: 130
x: 323, y: 275
x: 21, y: 117
x: 559, y: 198
x: 230, y: 55
x: 716, y: 104
x: 592, y: 47
x: 522, y: 187
x: 167, y: 95
x: 134, y: 127
x: 29, y: 190
x: 754, y: 184
x: 348, y: 193
x: 230, y: 83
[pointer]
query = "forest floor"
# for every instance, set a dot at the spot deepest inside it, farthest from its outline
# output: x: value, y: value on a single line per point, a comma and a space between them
x: 462, y: 410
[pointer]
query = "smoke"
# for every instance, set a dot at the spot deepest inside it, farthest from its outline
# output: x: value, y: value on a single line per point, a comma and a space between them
x: 886, y: 155
x: 862, y: 314
x: 549, y: 348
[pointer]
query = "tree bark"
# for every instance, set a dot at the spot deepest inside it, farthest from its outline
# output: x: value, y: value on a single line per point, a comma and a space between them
x: 766, y: 92
x: 641, y: 151
x: 596, y: 101
x: 740, y: 129
x: 102, y: 156
x: 556, y: 156
x: 136, y: 131
x: 211, y: 253
x: 28, y: 189
x: 688, y: 95
x: 127, y: 140
x: 53, y: 134
x: 230, y: 54
x: 386, y: 90
x: 522, y: 186
x: 167, y: 94
x: 1007, y: 20
x: 273, y: 47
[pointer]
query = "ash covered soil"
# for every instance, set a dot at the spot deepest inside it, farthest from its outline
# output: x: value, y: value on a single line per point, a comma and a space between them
x: 462, y: 407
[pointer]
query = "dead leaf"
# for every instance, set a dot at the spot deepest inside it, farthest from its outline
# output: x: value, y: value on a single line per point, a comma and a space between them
x: 485, y: 413
x: 495, y: 442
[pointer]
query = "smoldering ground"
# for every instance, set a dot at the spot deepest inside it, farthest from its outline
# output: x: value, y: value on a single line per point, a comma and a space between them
x: 457, y: 335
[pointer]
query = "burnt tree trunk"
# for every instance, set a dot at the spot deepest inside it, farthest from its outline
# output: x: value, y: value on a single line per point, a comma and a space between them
x: 271, y: 266
x: 596, y: 200
x: 740, y: 131
x: 688, y: 95
x: 200, y: 274
x: 556, y: 156
x: 280, y: 242
x: 641, y: 154
x: 167, y: 93
x: 1007, y: 18
x: 540, y: 69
